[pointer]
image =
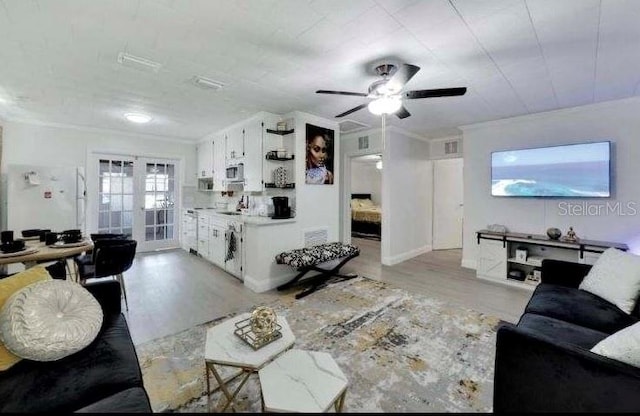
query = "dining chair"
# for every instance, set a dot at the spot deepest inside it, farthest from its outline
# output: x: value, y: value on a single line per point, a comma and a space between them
x: 88, y: 257
x: 112, y: 259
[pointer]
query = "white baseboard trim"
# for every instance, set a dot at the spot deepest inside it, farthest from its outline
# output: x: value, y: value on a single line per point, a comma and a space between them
x: 399, y: 258
x: 469, y: 264
x: 264, y: 285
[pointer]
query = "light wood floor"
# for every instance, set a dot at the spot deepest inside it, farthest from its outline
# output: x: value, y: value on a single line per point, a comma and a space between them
x: 170, y: 291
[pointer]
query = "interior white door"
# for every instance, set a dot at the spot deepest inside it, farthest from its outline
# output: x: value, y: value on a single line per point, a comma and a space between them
x: 447, y: 203
x: 156, y: 219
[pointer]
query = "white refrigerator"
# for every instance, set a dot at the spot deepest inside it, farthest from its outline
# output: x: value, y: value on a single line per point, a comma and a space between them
x: 45, y: 197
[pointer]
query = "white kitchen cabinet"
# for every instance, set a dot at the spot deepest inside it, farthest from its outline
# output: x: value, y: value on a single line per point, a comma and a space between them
x: 234, y: 264
x: 253, y: 156
x: 204, y: 151
x: 203, y: 235
x: 217, y: 247
x: 235, y: 144
x: 219, y: 167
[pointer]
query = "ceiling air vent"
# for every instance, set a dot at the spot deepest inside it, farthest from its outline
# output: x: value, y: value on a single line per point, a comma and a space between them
x: 349, y: 126
x: 136, y: 62
x: 206, y: 83
x: 451, y: 147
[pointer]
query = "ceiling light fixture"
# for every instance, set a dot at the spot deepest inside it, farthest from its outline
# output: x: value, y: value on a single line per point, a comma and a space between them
x: 137, y: 118
x: 207, y: 83
x: 138, y: 62
x: 385, y: 105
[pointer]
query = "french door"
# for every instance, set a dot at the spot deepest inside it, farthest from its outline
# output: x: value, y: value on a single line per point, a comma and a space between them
x: 138, y: 196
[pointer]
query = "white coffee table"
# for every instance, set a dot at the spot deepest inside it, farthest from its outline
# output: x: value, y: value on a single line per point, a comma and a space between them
x: 303, y: 381
x: 224, y: 348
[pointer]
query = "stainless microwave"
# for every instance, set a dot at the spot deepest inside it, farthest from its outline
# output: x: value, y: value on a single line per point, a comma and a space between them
x: 235, y: 173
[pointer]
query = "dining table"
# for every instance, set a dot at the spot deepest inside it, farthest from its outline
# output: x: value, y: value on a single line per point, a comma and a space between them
x: 37, y: 251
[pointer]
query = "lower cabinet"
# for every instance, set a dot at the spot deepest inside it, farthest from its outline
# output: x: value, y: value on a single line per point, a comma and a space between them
x: 216, y: 244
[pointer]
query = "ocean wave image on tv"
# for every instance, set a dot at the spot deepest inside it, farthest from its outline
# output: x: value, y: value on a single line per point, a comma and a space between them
x: 576, y: 171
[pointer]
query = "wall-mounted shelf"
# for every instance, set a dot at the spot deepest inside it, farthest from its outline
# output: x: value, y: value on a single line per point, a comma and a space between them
x: 270, y: 157
x: 273, y: 185
x: 280, y: 132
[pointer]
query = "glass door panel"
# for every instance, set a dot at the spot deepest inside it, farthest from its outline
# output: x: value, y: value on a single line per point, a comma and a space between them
x: 115, y: 196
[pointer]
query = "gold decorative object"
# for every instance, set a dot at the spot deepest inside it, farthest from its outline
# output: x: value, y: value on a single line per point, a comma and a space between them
x: 260, y: 328
x: 571, y: 236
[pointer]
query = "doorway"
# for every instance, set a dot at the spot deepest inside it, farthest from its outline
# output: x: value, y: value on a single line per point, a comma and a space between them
x: 136, y: 196
x: 448, y: 207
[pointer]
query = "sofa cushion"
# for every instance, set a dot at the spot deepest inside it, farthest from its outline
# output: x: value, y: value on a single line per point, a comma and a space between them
x: 555, y: 330
x: 623, y: 346
x: 615, y: 276
x: 133, y: 400
x: 106, y: 366
x: 578, y: 307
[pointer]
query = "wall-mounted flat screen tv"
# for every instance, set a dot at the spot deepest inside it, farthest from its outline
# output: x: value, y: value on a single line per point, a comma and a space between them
x: 569, y: 171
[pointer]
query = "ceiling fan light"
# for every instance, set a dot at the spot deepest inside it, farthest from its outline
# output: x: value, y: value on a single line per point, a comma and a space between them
x: 385, y: 105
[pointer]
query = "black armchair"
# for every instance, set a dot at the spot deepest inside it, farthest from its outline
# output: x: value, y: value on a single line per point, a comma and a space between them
x: 111, y: 259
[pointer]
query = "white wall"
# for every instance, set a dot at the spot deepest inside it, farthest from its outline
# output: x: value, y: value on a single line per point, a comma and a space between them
x: 366, y: 179
x: 317, y: 206
x: 617, y: 121
x: 407, y: 178
x: 68, y: 146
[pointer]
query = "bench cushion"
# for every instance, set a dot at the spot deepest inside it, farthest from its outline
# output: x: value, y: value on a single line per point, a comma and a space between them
x: 309, y: 256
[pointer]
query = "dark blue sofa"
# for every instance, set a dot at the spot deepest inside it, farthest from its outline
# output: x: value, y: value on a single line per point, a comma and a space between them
x: 103, y: 377
x: 544, y: 363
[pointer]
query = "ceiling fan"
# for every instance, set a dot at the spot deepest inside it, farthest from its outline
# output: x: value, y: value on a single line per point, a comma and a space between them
x: 387, y: 92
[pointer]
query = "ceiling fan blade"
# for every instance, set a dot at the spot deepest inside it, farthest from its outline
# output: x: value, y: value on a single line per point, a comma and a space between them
x: 402, y: 75
x: 441, y: 92
x: 357, y: 94
x: 353, y: 110
x: 402, y: 113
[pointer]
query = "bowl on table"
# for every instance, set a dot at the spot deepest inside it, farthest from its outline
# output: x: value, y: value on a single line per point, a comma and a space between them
x: 12, y: 246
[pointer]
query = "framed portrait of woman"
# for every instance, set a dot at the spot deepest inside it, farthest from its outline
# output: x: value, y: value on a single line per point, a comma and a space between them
x: 319, y: 156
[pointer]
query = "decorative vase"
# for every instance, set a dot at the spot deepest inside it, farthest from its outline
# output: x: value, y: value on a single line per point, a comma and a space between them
x: 554, y: 233
x: 280, y: 177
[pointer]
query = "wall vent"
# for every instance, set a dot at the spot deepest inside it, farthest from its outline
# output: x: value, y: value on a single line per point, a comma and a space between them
x: 451, y: 147
x: 363, y: 142
x: 350, y: 126
x: 316, y: 236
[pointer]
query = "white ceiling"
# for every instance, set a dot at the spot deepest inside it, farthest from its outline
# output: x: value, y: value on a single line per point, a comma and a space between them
x: 58, y: 58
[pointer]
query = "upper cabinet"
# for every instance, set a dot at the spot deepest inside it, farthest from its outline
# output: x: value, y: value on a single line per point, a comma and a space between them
x: 246, y: 142
x: 204, y: 151
x: 219, y: 165
x: 235, y: 144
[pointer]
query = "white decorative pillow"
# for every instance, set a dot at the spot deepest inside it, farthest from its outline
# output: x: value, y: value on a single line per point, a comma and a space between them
x: 623, y: 346
x: 49, y: 320
x: 615, y: 277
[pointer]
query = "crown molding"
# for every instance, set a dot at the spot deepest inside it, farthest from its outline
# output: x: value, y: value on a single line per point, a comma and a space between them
x: 550, y: 113
x: 103, y: 130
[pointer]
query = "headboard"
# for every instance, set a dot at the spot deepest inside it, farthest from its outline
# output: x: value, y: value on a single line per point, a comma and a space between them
x: 360, y: 196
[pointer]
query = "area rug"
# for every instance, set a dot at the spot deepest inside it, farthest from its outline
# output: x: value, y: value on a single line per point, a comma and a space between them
x: 401, y: 352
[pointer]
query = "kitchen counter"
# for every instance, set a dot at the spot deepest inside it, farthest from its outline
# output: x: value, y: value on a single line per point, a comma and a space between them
x: 253, y: 220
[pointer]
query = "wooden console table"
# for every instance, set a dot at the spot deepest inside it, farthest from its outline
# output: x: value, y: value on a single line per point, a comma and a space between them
x: 497, y: 254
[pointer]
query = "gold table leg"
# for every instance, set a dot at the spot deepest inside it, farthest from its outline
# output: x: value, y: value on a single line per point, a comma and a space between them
x: 339, y: 404
x: 223, y: 385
